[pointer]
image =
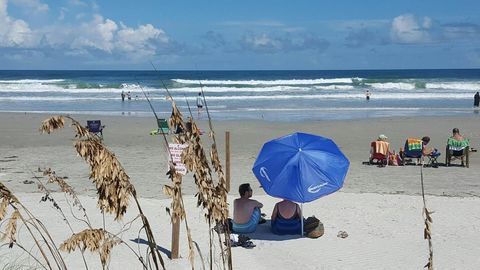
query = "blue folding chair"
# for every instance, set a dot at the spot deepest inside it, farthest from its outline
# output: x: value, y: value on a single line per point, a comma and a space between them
x: 412, y: 150
x: 95, y: 127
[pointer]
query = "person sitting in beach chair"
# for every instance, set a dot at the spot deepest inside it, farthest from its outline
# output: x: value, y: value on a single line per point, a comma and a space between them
x: 411, y: 150
x: 416, y: 148
x: 95, y: 127
x: 286, y: 218
x: 431, y: 153
x: 380, y: 151
x: 246, y: 212
x: 457, y: 148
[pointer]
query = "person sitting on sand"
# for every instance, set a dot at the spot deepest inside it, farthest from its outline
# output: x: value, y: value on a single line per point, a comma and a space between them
x: 286, y: 218
x: 426, y: 151
x: 246, y: 212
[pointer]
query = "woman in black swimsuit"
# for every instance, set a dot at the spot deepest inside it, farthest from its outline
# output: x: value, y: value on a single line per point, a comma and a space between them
x: 286, y: 218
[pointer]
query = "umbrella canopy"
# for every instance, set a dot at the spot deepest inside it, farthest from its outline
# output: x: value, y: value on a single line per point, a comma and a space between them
x: 300, y: 167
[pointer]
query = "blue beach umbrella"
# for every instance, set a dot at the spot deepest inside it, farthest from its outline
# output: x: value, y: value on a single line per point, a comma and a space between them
x: 300, y: 167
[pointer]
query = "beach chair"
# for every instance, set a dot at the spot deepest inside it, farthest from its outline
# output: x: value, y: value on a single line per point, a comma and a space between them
x: 412, y: 150
x: 95, y: 127
x: 379, y: 152
x: 163, y: 127
x: 457, y: 150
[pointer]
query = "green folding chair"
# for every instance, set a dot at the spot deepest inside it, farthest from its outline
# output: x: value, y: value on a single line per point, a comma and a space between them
x: 457, y: 150
x: 163, y: 127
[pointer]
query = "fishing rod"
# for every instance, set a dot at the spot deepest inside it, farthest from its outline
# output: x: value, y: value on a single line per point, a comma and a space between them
x: 146, y: 97
x: 205, y: 102
x: 163, y: 84
x: 156, y: 117
x: 188, y: 105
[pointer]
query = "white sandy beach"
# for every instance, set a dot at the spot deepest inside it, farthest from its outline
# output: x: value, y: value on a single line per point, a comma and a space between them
x: 380, y: 208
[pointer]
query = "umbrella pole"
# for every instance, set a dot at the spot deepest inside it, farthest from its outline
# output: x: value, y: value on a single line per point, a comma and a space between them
x: 301, y: 210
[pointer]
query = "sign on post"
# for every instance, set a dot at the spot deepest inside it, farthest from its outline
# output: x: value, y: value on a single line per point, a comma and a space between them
x: 176, y: 150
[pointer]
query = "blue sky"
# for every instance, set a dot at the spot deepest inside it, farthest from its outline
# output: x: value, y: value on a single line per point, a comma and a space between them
x: 232, y: 35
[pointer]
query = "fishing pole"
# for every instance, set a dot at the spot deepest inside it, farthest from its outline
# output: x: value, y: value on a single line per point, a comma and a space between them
x: 161, y: 81
x: 146, y: 97
x: 206, y: 106
x: 156, y: 117
x: 188, y: 105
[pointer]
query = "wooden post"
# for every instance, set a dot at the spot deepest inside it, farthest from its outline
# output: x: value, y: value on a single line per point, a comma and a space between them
x: 227, y: 160
x: 175, y: 238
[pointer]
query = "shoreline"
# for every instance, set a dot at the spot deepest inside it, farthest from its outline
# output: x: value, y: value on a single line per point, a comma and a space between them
x: 283, y: 116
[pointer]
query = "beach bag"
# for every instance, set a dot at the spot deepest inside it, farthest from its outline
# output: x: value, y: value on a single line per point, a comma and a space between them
x: 310, y: 224
x: 313, y: 228
x: 392, y: 160
x: 317, y: 232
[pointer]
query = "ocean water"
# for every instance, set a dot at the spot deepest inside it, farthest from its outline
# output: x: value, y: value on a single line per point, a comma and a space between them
x: 269, y: 95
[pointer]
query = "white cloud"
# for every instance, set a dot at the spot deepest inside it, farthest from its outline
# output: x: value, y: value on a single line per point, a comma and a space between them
x: 282, y: 42
x: 427, y: 22
x: 406, y: 29
x: 13, y: 32
x: 262, y: 41
x: 109, y: 37
x: 97, y: 34
x: 3, y: 8
x: 86, y: 38
x: 32, y: 5
x: 141, y: 40
x: 77, y: 3
x: 265, y: 23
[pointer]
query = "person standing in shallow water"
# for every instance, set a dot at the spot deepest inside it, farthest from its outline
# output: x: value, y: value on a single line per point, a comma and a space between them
x: 199, y: 104
x: 123, y: 95
x: 367, y: 95
x: 476, y: 100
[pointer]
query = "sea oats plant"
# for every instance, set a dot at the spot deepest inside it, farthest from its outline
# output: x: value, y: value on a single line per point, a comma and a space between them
x: 114, y: 191
x: 35, y: 228
x: 83, y: 239
x: 212, y: 197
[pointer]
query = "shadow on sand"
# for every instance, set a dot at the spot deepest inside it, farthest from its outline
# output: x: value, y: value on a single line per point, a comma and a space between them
x: 264, y: 232
x: 165, y: 251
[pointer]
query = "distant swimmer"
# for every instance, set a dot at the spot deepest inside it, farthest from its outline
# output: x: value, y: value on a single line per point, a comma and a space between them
x: 476, y: 100
x: 129, y: 96
x: 123, y: 95
x: 367, y: 95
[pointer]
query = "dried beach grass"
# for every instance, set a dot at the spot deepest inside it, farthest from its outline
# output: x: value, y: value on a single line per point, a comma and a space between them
x: 212, y: 197
x: 11, y: 229
x: 8, y: 198
x: 35, y: 228
x: 427, y: 232
x: 94, y: 240
x: 64, y: 187
x: 113, y: 185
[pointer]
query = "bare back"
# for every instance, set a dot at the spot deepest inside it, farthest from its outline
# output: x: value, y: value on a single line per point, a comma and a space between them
x: 286, y: 209
x: 243, y: 209
x: 458, y: 137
